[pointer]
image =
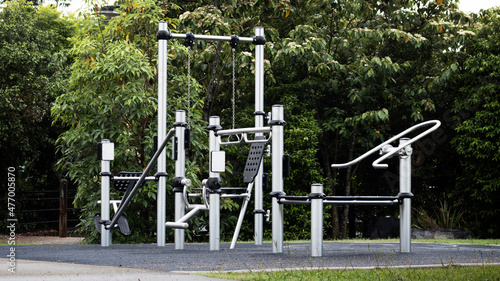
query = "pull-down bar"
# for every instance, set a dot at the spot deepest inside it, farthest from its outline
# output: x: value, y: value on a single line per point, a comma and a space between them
x: 256, y: 40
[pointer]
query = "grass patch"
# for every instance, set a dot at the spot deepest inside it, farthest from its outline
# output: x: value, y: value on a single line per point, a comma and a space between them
x: 396, y: 240
x: 442, y: 273
x: 446, y: 241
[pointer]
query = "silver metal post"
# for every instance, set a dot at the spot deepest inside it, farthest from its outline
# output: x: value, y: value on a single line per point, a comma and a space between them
x: 259, y: 122
x: 162, y: 130
x: 405, y: 186
x: 214, y: 208
x: 107, y: 156
x: 180, y: 171
x: 277, y: 178
x: 317, y: 222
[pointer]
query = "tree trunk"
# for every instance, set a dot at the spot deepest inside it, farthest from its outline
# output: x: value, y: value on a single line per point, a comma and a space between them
x: 348, y: 181
x: 335, y: 210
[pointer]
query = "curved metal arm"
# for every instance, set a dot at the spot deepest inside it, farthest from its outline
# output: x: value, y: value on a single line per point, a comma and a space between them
x: 376, y: 163
x: 203, y: 198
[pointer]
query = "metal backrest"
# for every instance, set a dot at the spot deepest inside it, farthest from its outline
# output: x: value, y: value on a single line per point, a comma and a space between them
x: 253, y: 161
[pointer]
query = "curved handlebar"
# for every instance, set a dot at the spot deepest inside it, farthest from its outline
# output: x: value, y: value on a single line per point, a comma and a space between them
x: 241, y: 134
x: 376, y: 163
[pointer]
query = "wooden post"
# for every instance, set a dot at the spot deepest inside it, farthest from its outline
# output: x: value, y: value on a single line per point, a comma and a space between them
x: 63, y: 208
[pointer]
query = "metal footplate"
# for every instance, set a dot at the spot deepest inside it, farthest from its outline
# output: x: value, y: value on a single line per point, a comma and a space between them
x: 122, y: 224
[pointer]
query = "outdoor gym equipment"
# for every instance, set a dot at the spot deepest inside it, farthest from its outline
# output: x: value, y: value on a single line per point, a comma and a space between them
x: 317, y: 198
x: 258, y: 40
x: 181, y: 140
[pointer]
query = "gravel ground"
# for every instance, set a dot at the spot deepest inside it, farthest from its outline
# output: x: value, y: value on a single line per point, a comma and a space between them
x: 246, y: 256
x: 54, y: 258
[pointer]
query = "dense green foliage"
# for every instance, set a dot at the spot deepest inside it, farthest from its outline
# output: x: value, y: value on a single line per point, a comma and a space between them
x: 478, y: 134
x: 112, y: 94
x: 34, y: 54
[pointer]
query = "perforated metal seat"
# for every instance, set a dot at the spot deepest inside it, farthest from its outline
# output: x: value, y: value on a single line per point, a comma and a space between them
x: 123, y: 185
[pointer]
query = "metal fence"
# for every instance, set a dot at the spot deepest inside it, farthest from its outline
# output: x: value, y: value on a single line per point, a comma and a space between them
x: 39, y: 210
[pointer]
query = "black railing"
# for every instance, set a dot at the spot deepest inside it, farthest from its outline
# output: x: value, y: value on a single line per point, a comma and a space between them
x: 38, y: 210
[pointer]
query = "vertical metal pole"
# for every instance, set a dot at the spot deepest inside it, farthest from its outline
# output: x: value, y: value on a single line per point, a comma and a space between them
x: 277, y: 176
x: 259, y: 122
x: 162, y: 130
x: 180, y: 168
x: 214, y: 208
x: 405, y: 187
x: 317, y: 221
x: 107, y: 156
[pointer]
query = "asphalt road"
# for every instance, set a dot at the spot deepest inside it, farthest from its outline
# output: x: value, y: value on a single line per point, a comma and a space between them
x: 143, y: 259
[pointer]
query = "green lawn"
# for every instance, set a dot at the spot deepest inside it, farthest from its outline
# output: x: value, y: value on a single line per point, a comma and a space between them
x: 443, y: 273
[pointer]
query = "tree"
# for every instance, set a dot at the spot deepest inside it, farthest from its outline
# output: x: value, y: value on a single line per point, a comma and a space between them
x: 112, y: 94
x: 368, y: 69
x: 35, y: 62
x: 212, y: 67
x: 477, y: 109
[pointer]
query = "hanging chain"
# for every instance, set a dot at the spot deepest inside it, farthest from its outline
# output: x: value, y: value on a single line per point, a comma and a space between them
x: 189, y: 89
x: 234, y: 88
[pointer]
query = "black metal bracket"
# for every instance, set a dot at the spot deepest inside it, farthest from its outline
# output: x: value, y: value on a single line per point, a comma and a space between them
x: 234, y: 41
x: 106, y: 174
x: 189, y: 40
x: 214, y: 184
x: 158, y: 175
x: 163, y: 35
x: 316, y: 196
x: 277, y: 123
x: 177, y: 184
x: 259, y: 40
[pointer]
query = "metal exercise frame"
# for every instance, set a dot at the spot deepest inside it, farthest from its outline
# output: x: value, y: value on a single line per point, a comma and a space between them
x: 163, y: 37
x: 107, y: 155
x: 317, y: 198
x: 212, y: 187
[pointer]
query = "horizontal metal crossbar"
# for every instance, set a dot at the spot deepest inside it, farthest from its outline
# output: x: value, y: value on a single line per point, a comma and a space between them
x: 212, y: 38
x: 362, y: 202
x: 151, y: 178
x: 249, y: 130
x: 344, y: 200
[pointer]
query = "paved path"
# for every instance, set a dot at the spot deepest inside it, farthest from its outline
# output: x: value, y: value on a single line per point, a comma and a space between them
x: 149, y: 261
